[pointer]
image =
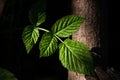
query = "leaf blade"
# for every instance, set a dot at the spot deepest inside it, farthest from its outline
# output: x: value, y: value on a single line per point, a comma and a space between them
x: 41, y: 18
x: 37, y: 18
x: 6, y: 75
x: 48, y: 45
x: 30, y: 36
x: 39, y: 6
x: 32, y: 18
x: 67, y: 25
x: 75, y: 56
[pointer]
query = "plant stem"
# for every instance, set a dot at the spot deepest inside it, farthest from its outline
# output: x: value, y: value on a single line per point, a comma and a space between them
x: 43, y: 29
x: 58, y: 38
x: 49, y: 31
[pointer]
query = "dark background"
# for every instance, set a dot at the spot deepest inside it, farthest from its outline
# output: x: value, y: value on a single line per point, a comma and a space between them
x: 13, y: 55
x: 113, y: 34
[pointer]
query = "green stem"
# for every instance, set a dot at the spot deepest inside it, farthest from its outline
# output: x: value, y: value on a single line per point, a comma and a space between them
x: 43, y: 29
x: 58, y: 38
x: 49, y: 31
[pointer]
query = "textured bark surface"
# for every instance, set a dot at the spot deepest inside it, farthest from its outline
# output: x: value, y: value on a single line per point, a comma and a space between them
x: 89, y: 30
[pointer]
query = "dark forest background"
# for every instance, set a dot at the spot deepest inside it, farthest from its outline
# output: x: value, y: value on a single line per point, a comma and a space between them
x: 13, y: 55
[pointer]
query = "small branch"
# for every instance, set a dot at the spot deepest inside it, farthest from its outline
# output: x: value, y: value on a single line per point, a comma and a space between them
x: 58, y: 38
x: 43, y: 29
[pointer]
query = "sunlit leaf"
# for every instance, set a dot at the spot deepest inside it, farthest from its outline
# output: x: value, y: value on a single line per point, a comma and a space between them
x: 30, y: 36
x: 67, y: 25
x: 48, y: 45
x: 75, y: 56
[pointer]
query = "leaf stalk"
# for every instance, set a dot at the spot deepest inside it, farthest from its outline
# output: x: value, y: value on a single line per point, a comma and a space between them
x: 58, y: 38
x: 43, y: 29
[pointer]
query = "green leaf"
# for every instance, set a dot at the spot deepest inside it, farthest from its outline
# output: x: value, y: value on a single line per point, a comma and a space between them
x: 32, y: 17
x: 39, y: 6
x: 67, y: 25
x: 41, y: 18
x: 37, y: 19
x: 30, y: 36
x: 6, y: 75
x: 75, y: 56
x: 48, y: 45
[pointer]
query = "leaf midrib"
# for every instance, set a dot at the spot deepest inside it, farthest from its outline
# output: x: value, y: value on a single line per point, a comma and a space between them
x: 32, y: 35
x: 49, y: 45
x: 66, y: 27
x: 75, y: 55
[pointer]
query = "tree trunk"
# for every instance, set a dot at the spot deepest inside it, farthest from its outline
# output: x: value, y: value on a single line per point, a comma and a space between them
x: 89, y: 30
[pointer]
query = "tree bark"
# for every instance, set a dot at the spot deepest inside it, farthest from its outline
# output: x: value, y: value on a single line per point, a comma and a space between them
x: 89, y: 30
